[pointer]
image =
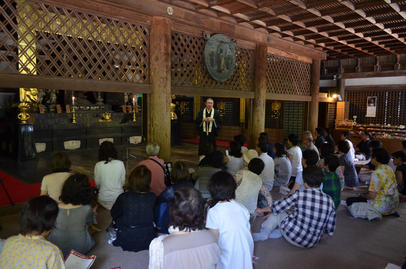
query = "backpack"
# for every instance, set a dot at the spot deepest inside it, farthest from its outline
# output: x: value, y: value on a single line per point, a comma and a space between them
x: 167, y: 167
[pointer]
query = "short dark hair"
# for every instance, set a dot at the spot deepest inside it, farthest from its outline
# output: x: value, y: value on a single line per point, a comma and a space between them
x: 280, y: 150
x: 240, y: 139
x: 256, y: 166
x: 263, y: 147
x: 320, y: 131
x: 313, y: 176
x: 400, y: 154
x: 106, y: 151
x: 326, y: 149
x: 381, y: 155
x: 139, y: 179
x: 235, y: 149
x: 346, y: 134
x: 404, y: 144
x: 343, y: 146
x: 311, y: 157
x: 263, y: 138
x: 375, y: 144
x: 60, y: 162
x: 293, y: 139
x: 77, y: 190
x: 38, y: 214
x: 332, y: 163
x: 186, y: 210
x: 216, y: 159
x: 179, y: 173
x: 222, y: 187
x: 367, y: 133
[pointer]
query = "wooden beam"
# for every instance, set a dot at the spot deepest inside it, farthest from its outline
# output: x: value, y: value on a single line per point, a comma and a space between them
x: 315, y: 89
x: 375, y: 74
x: 74, y: 84
x: 286, y: 97
x: 213, y: 92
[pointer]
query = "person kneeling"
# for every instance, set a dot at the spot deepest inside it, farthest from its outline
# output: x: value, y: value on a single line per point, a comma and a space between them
x: 314, y: 214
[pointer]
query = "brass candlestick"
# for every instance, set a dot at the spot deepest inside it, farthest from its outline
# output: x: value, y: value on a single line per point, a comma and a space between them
x: 134, y: 108
x: 73, y: 115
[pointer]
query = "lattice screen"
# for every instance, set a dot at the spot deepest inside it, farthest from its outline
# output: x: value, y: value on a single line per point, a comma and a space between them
x: 293, y: 114
x: 188, y: 67
x: 42, y: 39
x: 391, y: 106
x: 287, y: 76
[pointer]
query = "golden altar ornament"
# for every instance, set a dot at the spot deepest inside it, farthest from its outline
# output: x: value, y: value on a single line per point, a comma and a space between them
x: 23, y: 116
x: 106, y: 117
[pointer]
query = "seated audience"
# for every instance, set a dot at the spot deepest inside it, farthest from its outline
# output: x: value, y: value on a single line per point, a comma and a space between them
x: 331, y: 181
x: 189, y: 244
x: 133, y: 211
x: 400, y: 162
x: 329, y: 138
x: 235, y: 162
x: 295, y: 156
x: 283, y: 167
x: 109, y: 175
x: 229, y: 221
x: 264, y: 139
x: 363, y: 146
x: 250, y: 184
x: 345, y: 136
x: 373, y: 144
x: 313, y: 214
x: 52, y: 184
x: 204, y: 173
x: 320, y: 137
x: 241, y: 140
x: 350, y: 173
x: 268, y: 173
x: 156, y: 166
x: 382, y: 195
x: 327, y: 151
x: 308, y: 144
x: 30, y: 249
x: 309, y: 159
x: 75, y: 216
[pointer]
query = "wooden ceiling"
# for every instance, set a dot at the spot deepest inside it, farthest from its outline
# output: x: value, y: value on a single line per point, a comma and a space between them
x: 341, y: 28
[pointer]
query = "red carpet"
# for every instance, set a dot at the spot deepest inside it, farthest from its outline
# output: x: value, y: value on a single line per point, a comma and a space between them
x: 19, y: 191
x: 218, y: 142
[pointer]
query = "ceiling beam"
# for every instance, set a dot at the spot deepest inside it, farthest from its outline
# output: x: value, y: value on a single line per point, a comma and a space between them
x: 396, y: 8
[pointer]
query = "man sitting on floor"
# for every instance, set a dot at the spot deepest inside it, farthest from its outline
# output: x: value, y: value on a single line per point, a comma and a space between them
x: 313, y: 214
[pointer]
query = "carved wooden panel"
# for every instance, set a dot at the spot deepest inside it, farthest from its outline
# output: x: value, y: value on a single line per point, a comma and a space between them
x: 43, y: 39
x: 188, y: 67
x: 287, y: 76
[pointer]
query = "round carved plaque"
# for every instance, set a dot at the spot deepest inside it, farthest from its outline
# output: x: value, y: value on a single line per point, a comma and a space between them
x: 219, y: 57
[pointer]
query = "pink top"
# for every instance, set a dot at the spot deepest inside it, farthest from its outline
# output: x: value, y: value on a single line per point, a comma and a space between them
x: 157, y: 174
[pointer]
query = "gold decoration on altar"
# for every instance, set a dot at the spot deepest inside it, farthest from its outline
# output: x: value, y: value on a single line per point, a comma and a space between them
x: 222, y: 108
x: 23, y: 116
x: 173, y: 113
x: 106, y: 117
x: 276, y: 107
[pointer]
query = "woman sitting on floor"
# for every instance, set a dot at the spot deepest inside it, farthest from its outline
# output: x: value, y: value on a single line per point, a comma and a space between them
x: 30, y: 249
x: 189, y: 244
x: 350, y: 174
x: 133, y: 212
x: 109, y: 175
x: 203, y: 174
x: 235, y: 162
x: 400, y: 162
x: 382, y: 195
x: 52, y: 184
x: 283, y: 167
x: 75, y: 216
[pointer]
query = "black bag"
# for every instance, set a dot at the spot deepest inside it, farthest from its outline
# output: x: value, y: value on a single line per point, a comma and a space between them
x: 167, y: 167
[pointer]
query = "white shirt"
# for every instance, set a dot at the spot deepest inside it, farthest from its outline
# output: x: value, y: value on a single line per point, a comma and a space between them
x: 234, y: 164
x: 268, y: 174
x: 52, y: 184
x: 296, y: 159
x: 109, y: 178
x: 232, y: 220
x: 352, y: 150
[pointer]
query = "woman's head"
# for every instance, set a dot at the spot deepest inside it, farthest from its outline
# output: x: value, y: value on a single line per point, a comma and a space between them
x: 310, y: 158
x: 139, y: 179
x: 343, y: 147
x: 240, y: 139
x: 280, y: 150
x: 186, y: 210
x: 320, y: 131
x: 77, y: 190
x: 263, y: 138
x: 60, y: 162
x: 380, y: 156
x: 179, y: 173
x: 293, y: 140
x: 107, y: 151
x: 222, y: 187
x: 152, y: 149
x: 235, y: 149
x: 38, y: 215
x: 399, y: 157
x: 256, y: 166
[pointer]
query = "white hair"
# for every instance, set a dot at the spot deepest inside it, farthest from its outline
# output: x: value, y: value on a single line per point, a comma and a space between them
x: 152, y: 149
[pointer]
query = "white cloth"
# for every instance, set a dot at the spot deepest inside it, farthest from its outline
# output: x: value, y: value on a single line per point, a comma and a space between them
x: 234, y: 164
x: 231, y: 219
x: 156, y: 253
x: 248, y: 189
x: 268, y: 174
x: 352, y: 150
x: 109, y: 178
x: 295, y: 154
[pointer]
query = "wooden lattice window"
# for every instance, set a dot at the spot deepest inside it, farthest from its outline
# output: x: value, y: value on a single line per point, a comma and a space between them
x: 187, y: 65
x: 293, y: 114
x: 43, y: 39
x: 287, y: 76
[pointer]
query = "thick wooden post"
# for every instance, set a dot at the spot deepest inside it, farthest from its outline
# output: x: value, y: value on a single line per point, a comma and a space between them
x: 160, y: 59
x: 258, y: 117
x: 315, y: 89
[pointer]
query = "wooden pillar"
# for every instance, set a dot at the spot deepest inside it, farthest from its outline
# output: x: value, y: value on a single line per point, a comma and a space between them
x: 341, y: 87
x: 315, y: 89
x: 160, y: 60
x: 258, y: 115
